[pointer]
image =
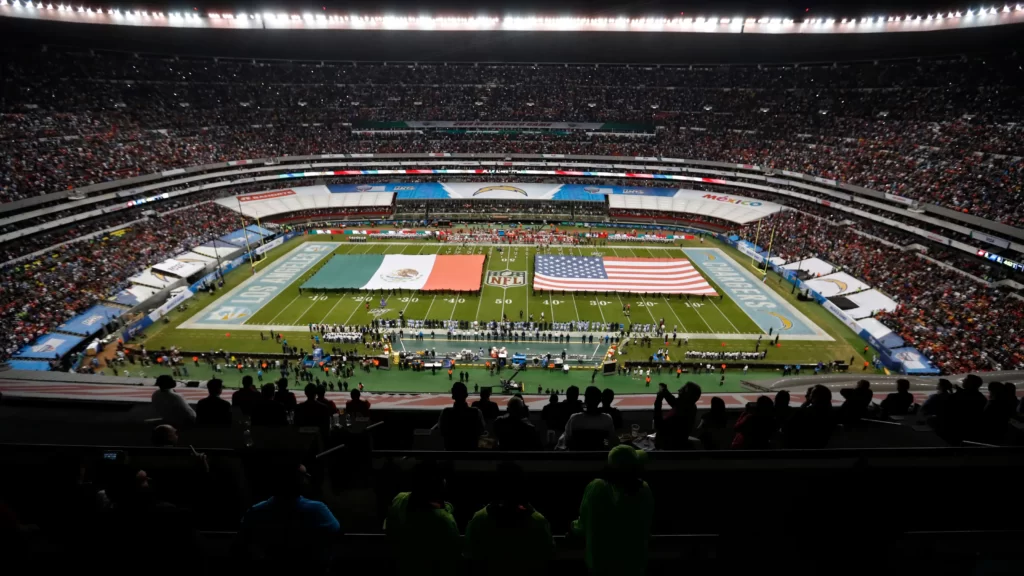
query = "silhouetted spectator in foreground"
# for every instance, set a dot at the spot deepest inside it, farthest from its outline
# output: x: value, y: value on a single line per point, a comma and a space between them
x: 460, y: 424
x: 616, y: 515
x: 675, y: 426
x: 712, y: 424
x: 936, y: 408
x: 246, y: 397
x: 966, y: 409
x: 213, y: 411
x: 283, y: 396
x: 420, y: 526
x: 856, y: 402
x: 357, y: 407
x: 997, y: 413
x: 321, y: 397
x: 312, y: 413
x: 783, y: 411
x: 486, y: 406
x: 288, y: 533
x: 590, y: 429
x: 755, y: 427
x: 514, y: 430
x: 267, y: 412
x: 567, y: 407
x: 509, y: 518
x: 898, y: 403
x: 170, y: 406
x: 164, y: 436
x: 607, y: 398
x: 812, y: 425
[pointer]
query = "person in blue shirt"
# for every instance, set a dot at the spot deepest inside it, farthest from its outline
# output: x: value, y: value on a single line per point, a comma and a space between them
x: 288, y: 533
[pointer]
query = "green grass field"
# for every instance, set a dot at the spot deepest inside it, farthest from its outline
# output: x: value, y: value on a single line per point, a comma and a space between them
x: 711, y: 316
x: 705, y: 319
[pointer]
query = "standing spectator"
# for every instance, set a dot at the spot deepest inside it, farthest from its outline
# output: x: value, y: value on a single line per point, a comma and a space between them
x: 616, y: 515
x: 357, y: 407
x: 566, y: 408
x: 460, y: 424
x: 267, y: 412
x: 712, y: 424
x: 936, y: 407
x: 550, y: 415
x: 966, y: 409
x: 311, y: 412
x: 486, y: 406
x: 755, y: 427
x: 213, y: 411
x: 674, y: 428
x: 899, y: 402
x: 421, y: 528
x: 590, y: 429
x: 510, y: 518
x: 812, y: 425
x: 321, y: 397
x: 856, y: 402
x: 246, y: 397
x: 283, y: 396
x: 607, y: 398
x: 783, y: 411
x: 288, y: 532
x: 514, y: 430
x: 170, y: 406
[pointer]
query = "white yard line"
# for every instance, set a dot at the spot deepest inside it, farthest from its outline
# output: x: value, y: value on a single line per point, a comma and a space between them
x: 734, y: 328
x: 279, y: 312
x: 332, y: 309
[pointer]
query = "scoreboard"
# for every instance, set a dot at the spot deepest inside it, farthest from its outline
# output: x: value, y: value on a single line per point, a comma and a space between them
x: 1000, y: 260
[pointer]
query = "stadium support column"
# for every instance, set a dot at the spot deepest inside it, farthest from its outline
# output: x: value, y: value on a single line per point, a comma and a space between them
x: 245, y: 234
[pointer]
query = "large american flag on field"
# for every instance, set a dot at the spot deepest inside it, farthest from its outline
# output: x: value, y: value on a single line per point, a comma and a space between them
x: 579, y: 273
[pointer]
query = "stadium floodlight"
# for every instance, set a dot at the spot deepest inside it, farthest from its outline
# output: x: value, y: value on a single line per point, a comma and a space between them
x: 831, y: 21
x: 307, y: 17
x: 725, y: 21
x: 763, y: 21
x: 1006, y: 8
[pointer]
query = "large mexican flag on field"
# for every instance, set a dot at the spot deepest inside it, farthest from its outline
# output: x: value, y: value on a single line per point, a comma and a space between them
x: 387, y: 271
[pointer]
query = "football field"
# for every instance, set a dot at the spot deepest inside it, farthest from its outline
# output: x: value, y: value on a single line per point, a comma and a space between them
x: 272, y: 299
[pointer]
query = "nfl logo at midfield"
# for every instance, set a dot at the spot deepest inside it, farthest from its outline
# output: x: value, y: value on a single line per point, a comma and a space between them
x: 505, y: 278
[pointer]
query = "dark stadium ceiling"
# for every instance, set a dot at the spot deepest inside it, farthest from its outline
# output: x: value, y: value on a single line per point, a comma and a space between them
x: 587, y: 8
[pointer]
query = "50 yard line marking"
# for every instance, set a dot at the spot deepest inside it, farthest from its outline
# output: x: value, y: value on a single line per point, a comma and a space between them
x: 414, y: 294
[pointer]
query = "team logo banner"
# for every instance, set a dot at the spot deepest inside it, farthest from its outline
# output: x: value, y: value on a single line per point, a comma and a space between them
x: 505, y: 278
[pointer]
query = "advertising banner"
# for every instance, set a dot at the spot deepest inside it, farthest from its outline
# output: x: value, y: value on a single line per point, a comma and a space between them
x: 50, y: 347
x: 92, y: 320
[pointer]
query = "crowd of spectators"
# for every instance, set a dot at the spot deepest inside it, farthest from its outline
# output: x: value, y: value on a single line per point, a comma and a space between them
x: 39, y: 294
x: 940, y: 131
x: 959, y: 324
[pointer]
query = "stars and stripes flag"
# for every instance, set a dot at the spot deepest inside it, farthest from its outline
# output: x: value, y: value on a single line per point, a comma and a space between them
x: 579, y: 273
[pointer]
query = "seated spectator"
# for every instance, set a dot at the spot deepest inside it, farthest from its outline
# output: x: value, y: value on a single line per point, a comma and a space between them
x: 755, y: 427
x: 312, y: 413
x: 164, y: 436
x: 486, y: 406
x: 549, y: 414
x: 267, y: 412
x: 420, y: 525
x: 997, y: 413
x: 812, y: 425
x: 856, y: 403
x: 673, y: 429
x: 213, y: 411
x: 136, y: 515
x: 607, y: 398
x: 899, y: 402
x: 509, y: 518
x: 170, y: 406
x: 514, y: 430
x: 590, y: 429
x: 460, y: 424
x: 357, y: 407
x: 616, y: 515
x: 288, y: 533
x: 283, y: 396
x: 246, y: 397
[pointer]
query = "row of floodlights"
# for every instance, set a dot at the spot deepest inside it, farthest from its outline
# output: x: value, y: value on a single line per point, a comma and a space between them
x: 511, y: 20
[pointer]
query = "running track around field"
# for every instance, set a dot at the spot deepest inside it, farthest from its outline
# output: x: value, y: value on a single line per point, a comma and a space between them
x: 142, y: 394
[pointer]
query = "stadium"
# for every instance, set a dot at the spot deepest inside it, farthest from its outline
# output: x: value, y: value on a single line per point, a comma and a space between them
x: 528, y: 269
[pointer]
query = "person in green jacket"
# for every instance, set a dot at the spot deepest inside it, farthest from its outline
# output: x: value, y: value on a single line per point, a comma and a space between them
x: 509, y: 524
x: 616, y: 515
x: 421, y: 528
